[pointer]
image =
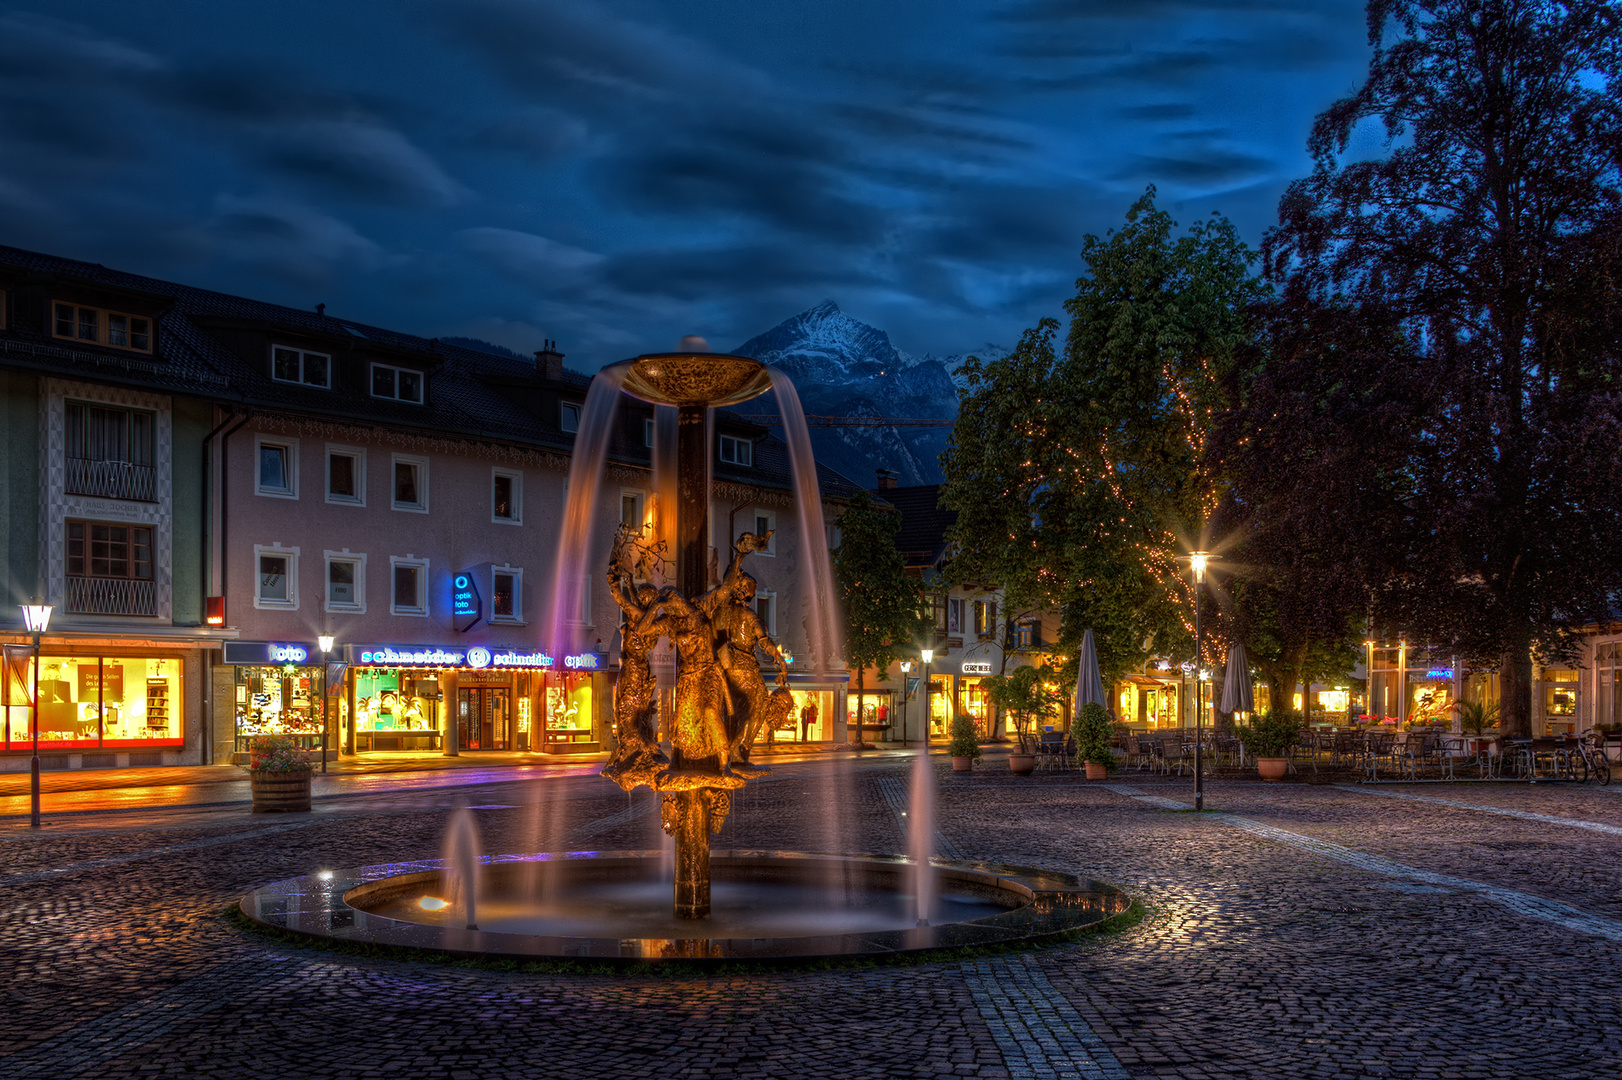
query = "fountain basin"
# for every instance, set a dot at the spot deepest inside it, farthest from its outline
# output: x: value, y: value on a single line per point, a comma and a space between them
x: 696, y: 379
x: 614, y: 906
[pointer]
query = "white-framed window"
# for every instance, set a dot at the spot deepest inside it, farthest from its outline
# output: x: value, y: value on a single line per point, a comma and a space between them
x: 736, y: 451
x: 766, y: 522
x: 507, y: 595
x: 410, y: 478
x: 766, y: 609
x: 292, y: 365
x: 396, y: 383
x: 836, y: 536
x: 345, y: 581
x: 506, y: 496
x: 275, y: 462
x: 346, y: 475
x: 275, y: 571
x: 954, y: 615
x: 102, y: 327
x: 647, y: 432
x: 633, y: 507
x: 408, y: 585
x: 569, y: 416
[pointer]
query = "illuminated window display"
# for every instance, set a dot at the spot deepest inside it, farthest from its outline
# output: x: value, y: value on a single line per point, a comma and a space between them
x: 283, y: 700
x: 398, y: 709
x: 99, y: 702
x: 567, y: 703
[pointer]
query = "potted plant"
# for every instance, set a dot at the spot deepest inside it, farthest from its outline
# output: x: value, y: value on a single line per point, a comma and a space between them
x: 280, y: 774
x: 1476, y: 717
x: 965, y: 743
x: 1268, y: 739
x: 1026, y: 697
x: 1094, y: 733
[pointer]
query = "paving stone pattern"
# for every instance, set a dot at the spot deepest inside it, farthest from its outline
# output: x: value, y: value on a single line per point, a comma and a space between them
x: 1300, y: 931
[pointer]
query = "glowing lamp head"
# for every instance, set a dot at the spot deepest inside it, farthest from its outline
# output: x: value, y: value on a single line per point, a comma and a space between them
x: 906, y: 667
x: 325, y: 642
x: 927, y: 654
x: 36, y: 617
x: 1198, y: 561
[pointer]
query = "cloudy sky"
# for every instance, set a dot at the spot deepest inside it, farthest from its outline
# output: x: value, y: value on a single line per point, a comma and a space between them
x: 617, y: 173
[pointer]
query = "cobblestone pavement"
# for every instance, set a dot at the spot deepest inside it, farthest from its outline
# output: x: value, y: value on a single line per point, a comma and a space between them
x: 1426, y: 931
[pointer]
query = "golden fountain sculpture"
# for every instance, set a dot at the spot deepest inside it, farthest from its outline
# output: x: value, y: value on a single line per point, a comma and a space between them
x: 721, y: 700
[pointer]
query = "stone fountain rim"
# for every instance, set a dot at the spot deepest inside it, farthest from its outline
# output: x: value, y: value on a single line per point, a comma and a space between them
x: 317, y: 906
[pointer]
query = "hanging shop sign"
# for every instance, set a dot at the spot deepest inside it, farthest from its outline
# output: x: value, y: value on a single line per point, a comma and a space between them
x: 976, y: 667
x: 478, y: 657
x: 467, y: 607
x: 1439, y: 673
x: 255, y: 653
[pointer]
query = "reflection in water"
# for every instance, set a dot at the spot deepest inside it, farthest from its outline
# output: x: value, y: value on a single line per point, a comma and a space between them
x: 641, y: 909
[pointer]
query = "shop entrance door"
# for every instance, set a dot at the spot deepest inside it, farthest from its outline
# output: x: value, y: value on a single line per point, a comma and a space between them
x: 484, y: 718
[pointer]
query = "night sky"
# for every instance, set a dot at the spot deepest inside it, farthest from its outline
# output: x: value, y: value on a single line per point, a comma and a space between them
x: 617, y: 173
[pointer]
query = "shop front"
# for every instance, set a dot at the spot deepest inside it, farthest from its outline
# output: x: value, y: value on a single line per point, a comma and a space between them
x: 972, y: 696
x: 280, y: 688
x: 435, y: 698
x: 812, y: 718
x: 97, y: 703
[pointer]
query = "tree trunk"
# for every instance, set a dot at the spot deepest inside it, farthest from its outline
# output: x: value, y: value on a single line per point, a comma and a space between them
x: 1515, y: 687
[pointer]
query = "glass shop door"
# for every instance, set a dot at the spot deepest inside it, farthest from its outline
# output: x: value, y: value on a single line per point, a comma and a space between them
x: 484, y: 718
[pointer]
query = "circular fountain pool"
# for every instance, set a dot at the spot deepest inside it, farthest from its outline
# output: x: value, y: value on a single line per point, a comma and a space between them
x: 616, y: 906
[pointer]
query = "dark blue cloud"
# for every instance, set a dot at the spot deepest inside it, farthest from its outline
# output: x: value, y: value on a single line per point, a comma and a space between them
x: 613, y: 173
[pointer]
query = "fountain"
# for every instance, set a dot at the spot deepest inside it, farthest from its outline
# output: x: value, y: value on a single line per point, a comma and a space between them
x: 736, y: 904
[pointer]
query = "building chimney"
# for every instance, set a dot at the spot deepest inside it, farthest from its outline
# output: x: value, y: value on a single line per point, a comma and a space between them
x: 549, y: 362
x: 887, y: 478
x: 321, y: 310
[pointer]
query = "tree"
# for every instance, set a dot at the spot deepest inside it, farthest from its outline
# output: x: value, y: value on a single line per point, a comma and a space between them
x: 1025, y: 695
x: 1490, y: 230
x: 1078, y: 479
x: 882, y: 604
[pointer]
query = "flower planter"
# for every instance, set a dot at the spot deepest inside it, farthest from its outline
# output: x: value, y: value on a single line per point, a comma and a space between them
x: 1021, y: 764
x: 1272, y: 768
x: 962, y: 764
x: 1096, y: 771
x: 280, y: 792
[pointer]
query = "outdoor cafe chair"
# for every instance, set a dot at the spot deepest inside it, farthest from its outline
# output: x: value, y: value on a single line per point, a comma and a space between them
x: 1048, y: 749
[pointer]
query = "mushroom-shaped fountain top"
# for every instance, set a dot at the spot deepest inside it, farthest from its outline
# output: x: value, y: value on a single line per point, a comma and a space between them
x: 696, y: 378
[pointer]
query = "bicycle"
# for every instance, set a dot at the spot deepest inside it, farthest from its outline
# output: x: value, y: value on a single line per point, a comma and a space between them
x: 1585, y: 756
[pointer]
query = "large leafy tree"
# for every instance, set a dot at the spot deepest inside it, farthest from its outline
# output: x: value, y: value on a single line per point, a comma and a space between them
x: 1078, y: 477
x: 882, y: 604
x: 1490, y: 230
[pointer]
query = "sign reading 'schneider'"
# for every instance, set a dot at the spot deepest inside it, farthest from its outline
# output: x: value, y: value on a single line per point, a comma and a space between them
x: 475, y: 656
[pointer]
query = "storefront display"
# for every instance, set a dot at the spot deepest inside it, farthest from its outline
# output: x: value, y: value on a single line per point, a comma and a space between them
x: 100, y: 702
x: 396, y: 709
x: 939, y: 700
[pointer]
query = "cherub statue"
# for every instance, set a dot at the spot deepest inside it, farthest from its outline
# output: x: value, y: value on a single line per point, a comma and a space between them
x: 738, y: 630
x: 637, y: 759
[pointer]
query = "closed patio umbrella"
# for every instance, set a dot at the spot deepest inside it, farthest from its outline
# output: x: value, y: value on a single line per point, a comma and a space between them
x: 1236, y: 695
x: 1089, y: 683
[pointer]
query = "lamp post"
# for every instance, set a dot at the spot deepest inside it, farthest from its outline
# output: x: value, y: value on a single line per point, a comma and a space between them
x: 36, y: 617
x: 1197, y: 562
x: 325, y: 644
x: 906, y: 669
x: 926, y: 655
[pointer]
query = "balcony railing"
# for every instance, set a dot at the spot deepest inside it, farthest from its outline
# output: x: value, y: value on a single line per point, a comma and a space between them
x: 112, y: 479
x: 111, y: 596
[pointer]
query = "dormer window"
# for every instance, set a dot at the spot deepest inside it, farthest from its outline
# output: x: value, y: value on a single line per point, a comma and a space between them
x: 298, y: 366
x: 735, y: 451
x: 569, y: 417
x: 399, y: 384
x: 99, y: 326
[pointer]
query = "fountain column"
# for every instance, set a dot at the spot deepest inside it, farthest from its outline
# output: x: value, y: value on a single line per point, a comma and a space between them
x: 691, y: 809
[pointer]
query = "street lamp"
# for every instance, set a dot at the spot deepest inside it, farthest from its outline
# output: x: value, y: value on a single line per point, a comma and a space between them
x: 906, y: 669
x: 1197, y: 562
x: 926, y: 655
x: 36, y: 617
x: 324, y: 642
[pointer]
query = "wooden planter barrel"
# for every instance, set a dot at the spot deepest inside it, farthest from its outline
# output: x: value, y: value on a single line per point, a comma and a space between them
x: 276, y: 792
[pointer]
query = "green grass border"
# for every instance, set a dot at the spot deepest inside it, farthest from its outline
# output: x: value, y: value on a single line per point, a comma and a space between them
x: 679, y: 969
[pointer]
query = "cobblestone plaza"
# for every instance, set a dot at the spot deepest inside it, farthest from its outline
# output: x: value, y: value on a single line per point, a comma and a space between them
x: 1299, y: 930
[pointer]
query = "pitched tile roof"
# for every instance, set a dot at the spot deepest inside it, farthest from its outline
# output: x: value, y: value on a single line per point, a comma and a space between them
x: 470, y: 393
x: 922, y: 537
